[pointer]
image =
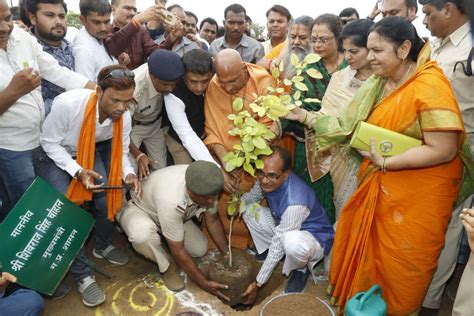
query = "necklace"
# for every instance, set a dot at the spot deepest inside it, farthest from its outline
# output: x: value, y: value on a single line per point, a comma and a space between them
x: 397, y: 85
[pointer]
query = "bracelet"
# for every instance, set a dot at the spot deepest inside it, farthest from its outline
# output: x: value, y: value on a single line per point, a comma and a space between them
x: 383, y: 164
x: 140, y: 156
x: 270, y: 64
x: 370, y: 18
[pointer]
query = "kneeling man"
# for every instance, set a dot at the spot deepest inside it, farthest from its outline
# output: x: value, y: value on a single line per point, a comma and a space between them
x: 172, y: 196
x: 295, y: 225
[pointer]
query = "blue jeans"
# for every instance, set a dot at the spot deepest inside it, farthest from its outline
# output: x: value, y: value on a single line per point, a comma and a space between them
x: 16, y: 175
x: 59, y: 179
x: 21, y: 302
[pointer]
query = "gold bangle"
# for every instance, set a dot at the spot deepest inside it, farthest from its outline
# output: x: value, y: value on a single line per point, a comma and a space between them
x: 383, y: 164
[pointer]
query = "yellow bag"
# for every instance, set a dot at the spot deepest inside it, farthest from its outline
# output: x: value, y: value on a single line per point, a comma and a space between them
x: 388, y: 143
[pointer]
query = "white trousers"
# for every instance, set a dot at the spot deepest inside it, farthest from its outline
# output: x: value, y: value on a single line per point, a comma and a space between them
x: 464, y: 303
x: 447, y: 259
x: 143, y: 233
x: 301, y: 248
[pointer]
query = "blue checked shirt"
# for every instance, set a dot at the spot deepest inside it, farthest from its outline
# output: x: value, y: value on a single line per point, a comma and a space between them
x: 64, y: 56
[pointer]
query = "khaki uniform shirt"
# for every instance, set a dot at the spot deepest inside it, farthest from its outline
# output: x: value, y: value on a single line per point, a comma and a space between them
x: 165, y: 194
x: 149, y: 104
x: 447, y: 52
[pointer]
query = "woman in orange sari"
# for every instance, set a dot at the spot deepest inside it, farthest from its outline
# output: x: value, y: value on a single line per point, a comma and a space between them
x: 391, y: 230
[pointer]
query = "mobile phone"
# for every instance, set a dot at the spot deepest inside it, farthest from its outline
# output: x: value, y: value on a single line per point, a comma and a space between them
x: 170, y: 18
x: 113, y: 187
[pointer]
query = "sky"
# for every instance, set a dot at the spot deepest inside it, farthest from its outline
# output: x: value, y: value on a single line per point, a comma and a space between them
x: 256, y: 9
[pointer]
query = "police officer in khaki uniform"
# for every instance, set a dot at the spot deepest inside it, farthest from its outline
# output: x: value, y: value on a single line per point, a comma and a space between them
x: 153, y: 79
x: 171, y: 197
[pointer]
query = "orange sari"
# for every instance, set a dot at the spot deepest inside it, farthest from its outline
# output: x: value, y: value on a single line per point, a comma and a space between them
x: 391, y: 231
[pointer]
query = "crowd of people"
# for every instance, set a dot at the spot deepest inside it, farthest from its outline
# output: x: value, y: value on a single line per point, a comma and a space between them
x: 143, y: 99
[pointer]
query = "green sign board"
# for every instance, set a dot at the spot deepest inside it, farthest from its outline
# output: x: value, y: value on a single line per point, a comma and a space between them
x: 41, y: 236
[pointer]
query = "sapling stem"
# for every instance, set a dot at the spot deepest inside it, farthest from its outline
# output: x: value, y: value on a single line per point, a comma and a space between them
x: 230, y: 240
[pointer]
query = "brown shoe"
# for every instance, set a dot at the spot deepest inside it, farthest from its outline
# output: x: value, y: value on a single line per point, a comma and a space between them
x: 173, y: 281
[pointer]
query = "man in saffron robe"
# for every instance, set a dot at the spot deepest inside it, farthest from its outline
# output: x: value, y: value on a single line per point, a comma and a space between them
x: 234, y: 78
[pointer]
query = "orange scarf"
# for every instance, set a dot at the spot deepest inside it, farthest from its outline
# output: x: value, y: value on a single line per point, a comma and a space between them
x: 77, y: 192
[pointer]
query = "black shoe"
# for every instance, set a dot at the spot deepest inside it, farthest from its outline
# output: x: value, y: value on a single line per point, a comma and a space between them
x: 297, y: 281
x: 62, y: 290
x: 260, y: 257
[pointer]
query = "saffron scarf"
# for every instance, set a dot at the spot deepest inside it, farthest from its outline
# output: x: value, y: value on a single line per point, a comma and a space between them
x: 77, y: 192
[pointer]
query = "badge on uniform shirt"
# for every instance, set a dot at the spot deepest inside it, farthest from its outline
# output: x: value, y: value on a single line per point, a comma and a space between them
x: 181, y: 207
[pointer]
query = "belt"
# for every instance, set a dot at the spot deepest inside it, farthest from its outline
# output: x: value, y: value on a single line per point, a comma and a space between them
x: 135, y: 122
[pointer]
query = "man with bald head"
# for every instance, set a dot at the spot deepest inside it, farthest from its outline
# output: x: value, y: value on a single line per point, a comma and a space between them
x: 234, y: 78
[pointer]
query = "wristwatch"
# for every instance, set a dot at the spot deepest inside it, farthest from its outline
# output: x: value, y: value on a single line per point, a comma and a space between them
x: 77, y: 176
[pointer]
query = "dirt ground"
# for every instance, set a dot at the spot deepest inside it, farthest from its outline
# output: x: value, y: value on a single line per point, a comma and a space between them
x: 136, y: 289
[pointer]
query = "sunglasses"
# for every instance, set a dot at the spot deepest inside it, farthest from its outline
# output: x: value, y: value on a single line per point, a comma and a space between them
x: 119, y: 73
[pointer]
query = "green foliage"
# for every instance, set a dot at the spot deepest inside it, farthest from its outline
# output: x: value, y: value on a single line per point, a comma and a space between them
x: 73, y: 20
x: 258, y: 30
x: 255, y: 136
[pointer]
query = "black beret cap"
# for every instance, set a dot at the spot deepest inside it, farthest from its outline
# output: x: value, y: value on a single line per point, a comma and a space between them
x: 165, y: 65
x: 204, y: 178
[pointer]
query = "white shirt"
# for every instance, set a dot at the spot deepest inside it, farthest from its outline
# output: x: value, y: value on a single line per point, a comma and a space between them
x: 20, y: 124
x: 191, y: 141
x: 90, y: 55
x: 62, y: 128
x: 447, y: 52
x: 267, y: 46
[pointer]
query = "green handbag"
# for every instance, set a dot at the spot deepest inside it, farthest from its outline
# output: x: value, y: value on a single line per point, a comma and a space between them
x: 388, y: 143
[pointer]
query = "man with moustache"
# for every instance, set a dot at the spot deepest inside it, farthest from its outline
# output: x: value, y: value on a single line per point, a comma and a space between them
x: 49, y: 26
x: 298, y: 43
x: 278, y: 21
x: 90, y: 55
x: 250, y: 50
x: 294, y: 225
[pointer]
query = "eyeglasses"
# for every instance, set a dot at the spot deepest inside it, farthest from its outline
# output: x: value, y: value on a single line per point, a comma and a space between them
x: 323, y: 40
x: 120, y: 73
x: 270, y: 176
